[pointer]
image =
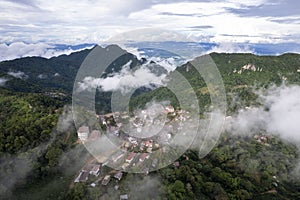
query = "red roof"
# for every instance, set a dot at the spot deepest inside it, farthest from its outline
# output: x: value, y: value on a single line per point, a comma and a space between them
x: 144, y: 156
x: 95, y: 134
x: 130, y: 156
x: 83, y: 129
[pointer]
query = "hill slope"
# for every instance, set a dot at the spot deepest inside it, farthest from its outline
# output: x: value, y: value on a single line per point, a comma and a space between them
x: 239, y: 167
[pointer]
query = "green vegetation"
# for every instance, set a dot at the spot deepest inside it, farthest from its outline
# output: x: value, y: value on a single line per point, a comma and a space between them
x: 239, y: 167
x: 31, y: 146
x: 27, y: 120
x: 239, y: 86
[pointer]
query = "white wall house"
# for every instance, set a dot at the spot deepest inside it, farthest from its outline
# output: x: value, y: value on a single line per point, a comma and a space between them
x: 83, y: 133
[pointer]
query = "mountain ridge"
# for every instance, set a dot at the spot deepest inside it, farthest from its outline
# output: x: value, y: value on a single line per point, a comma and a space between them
x: 58, y: 73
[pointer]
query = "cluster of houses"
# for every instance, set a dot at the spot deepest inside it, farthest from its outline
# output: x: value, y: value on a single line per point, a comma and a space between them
x: 94, y: 169
x: 115, y: 123
x: 134, y: 151
x: 131, y: 159
x: 141, y: 148
x: 262, y: 139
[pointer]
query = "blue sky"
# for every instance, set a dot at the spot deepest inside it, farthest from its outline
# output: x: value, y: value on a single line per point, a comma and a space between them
x: 95, y: 21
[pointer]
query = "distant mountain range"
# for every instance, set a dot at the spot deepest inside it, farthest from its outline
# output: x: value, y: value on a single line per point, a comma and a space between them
x: 57, y: 74
x: 15, y: 50
x: 194, y: 48
x: 36, y: 74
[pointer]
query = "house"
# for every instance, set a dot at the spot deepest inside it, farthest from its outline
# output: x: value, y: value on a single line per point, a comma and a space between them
x: 154, y: 162
x: 78, y: 177
x: 176, y: 164
x: 106, y: 180
x: 118, y: 175
x: 95, y: 134
x: 125, y: 116
x: 148, y: 143
x: 149, y: 150
x: 82, y: 177
x: 119, y: 124
x: 142, y: 145
x: 93, y: 185
x: 124, y: 166
x: 143, y: 157
x: 124, y: 197
x: 103, y: 120
x: 130, y: 157
x: 169, y: 109
x: 146, y: 171
x: 83, y: 133
x: 94, y: 169
x: 126, y: 145
x: 132, y: 140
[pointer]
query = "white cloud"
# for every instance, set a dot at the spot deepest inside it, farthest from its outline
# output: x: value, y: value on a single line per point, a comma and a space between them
x: 21, y: 49
x: 229, y: 47
x: 18, y: 74
x: 281, y: 117
x: 42, y: 76
x: 284, y: 105
x: 169, y: 64
x: 124, y: 80
x: 133, y: 50
x: 3, y: 81
x: 95, y: 21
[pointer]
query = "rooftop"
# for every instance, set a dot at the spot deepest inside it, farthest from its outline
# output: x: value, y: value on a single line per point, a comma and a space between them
x: 83, y: 129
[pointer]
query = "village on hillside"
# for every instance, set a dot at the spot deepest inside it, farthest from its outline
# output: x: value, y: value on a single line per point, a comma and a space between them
x: 141, y: 154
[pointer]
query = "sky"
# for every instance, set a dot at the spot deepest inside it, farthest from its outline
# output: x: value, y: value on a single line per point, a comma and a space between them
x: 94, y: 21
x: 28, y: 27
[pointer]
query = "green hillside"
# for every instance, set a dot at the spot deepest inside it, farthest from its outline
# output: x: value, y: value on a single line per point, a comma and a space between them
x: 267, y: 70
x: 238, y: 167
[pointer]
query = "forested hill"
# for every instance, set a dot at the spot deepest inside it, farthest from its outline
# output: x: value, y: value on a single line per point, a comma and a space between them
x: 241, y: 73
x: 34, y: 90
x: 57, y: 74
x: 36, y: 74
x: 249, y: 69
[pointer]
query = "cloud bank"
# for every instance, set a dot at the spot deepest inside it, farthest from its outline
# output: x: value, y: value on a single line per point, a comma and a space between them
x: 3, y: 81
x: 230, y: 47
x: 124, y: 80
x: 279, y: 114
x: 21, y: 49
x: 95, y: 21
x: 18, y: 74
